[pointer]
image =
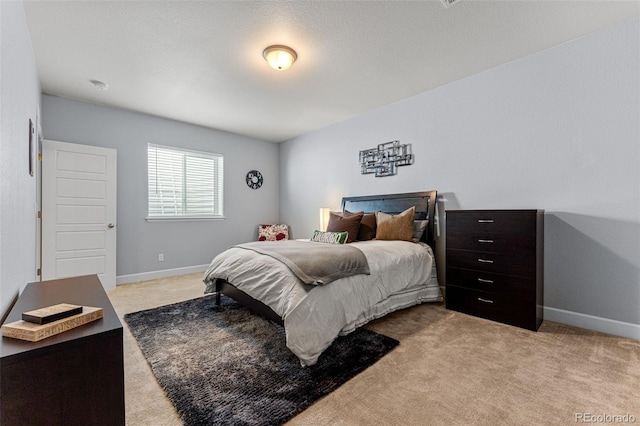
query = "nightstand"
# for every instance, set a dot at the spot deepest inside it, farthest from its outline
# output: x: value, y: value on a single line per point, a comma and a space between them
x: 495, y: 265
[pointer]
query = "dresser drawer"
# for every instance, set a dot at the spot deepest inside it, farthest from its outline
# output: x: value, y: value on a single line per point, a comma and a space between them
x: 524, y: 288
x: 501, y: 263
x: 493, y: 306
x: 491, y: 243
x: 492, y: 222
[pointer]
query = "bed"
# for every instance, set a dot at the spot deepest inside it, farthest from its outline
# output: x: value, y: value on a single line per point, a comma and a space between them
x: 400, y: 274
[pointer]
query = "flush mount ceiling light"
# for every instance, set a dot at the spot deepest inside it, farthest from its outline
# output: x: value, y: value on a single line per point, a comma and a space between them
x: 280, y: 57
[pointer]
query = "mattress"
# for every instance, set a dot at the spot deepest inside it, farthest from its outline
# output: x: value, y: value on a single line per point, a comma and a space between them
x: 402, y: 274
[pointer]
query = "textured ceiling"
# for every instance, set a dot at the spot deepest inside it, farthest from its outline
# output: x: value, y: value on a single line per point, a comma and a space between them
x: 201, y: 61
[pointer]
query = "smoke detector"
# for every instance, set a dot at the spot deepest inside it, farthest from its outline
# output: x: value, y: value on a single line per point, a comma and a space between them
x: 448, y: 3
x: 100, y: 85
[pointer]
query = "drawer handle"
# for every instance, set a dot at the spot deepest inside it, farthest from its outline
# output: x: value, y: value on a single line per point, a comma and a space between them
x: 480, y: 299
x: 482, y: 280
x: 486, y: 241
x: 485, y: 260
x: 485, y: 220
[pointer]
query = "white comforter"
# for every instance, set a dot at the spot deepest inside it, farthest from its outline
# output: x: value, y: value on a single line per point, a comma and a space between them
x: 315, y: 315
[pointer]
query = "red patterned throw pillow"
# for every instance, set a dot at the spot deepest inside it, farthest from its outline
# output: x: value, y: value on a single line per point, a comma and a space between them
x: 273, y: 232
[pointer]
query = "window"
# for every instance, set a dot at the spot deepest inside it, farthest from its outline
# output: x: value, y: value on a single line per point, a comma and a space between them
x: 184, y: 184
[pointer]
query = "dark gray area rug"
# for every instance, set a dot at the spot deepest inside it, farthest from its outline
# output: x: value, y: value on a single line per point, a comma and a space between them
x: 223, y: 365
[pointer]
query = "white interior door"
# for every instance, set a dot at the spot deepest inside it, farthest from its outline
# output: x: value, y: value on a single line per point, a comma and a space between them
x: 78, y: 211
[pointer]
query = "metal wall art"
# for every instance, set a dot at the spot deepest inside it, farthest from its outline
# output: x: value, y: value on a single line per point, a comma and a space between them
x: 384, y: 159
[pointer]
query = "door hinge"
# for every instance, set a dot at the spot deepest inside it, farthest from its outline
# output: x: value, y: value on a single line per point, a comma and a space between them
x: 38, y: 272
x: 39, y: 214
x: 39, y: 156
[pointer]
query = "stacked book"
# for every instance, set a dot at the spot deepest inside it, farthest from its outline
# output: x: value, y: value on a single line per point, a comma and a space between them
x: 49, y: 321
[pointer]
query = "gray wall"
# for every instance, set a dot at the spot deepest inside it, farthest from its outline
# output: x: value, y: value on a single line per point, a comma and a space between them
x: 19, y: 102
x: 558, y: 130
x: 184, y: 243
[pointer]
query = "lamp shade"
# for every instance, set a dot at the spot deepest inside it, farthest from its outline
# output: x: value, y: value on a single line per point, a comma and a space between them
x: 324, y: 218
x: 280, y: 57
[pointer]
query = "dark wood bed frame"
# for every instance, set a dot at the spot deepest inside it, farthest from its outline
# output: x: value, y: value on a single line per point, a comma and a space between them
x: 424, y: 202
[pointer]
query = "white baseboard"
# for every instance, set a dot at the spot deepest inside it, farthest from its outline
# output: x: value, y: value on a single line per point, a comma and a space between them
x: 154, y: 275
x: 590, y: 322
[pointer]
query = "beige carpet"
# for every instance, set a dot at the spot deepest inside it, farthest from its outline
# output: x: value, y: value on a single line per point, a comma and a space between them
x: 450, y: 369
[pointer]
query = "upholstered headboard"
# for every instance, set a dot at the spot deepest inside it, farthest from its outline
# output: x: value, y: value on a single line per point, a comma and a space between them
x: 425, y: 203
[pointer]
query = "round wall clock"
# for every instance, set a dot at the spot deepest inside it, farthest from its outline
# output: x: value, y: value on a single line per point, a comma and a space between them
x: 254, y: 179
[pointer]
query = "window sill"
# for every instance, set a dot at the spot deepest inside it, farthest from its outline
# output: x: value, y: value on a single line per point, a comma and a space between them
x: 183, y: 218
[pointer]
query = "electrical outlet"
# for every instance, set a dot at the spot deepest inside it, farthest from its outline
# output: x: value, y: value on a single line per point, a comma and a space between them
x: 161, y: 257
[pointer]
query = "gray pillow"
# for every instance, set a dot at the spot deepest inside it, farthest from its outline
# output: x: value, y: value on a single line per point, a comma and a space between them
x: 419, y: 226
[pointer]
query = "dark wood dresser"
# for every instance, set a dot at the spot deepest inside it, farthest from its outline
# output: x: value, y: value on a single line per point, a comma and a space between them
x: 495, y: 265
x: 73, y: 378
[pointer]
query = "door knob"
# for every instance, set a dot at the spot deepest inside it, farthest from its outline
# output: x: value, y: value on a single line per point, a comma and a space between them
x: 111, y: 225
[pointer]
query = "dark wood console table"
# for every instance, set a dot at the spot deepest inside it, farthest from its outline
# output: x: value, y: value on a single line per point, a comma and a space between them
x: 73, y: 378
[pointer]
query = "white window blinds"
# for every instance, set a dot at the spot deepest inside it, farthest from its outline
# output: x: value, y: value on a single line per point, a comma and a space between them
x: 184, y: 184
